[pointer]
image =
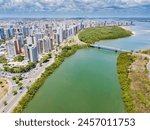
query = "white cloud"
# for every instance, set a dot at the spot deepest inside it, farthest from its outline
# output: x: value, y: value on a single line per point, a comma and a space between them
x: 69, y: 5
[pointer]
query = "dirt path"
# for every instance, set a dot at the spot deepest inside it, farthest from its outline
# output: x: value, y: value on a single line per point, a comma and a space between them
x: 144, y: 56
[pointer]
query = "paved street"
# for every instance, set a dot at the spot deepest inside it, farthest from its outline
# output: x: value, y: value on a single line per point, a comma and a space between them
x: 29, y: 78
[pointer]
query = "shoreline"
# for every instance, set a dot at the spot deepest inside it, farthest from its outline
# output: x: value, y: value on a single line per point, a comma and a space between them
x: 128, y: 28
x: 48, y: 71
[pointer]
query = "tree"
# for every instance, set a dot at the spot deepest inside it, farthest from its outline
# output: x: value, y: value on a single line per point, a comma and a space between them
x: 3, y: 60
x: 49, y: 55
x: 17, y: 81
x: 20, y: 84
x: 5, y: 103
x: 20, y: 77
x: 14, y: 78
x: 15, y: 92
x: 19, y: 58
x: 21, y: 87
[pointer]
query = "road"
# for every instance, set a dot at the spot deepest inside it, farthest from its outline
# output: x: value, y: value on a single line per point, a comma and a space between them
x: 29, y: 78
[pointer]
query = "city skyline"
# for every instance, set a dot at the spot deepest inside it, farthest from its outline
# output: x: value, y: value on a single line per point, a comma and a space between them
x: 74, y: 8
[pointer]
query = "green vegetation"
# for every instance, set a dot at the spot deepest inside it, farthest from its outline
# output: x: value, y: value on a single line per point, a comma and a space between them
x: 15, y: 92
x: 20, y: 69
x: 45, y: 58
x: 14, y: 78
x: 5, y: 103
x: 25, y: 41
x: 92, y: 35
x: 20, y: 84
x: 3, y: 60
x: 7, y: 39
x: 17, y: 81
x: 66, y: 52
x: 1, y: 40
x: 140, y: 87
x: 134, y: 82
x: 19, y: 58
x: 146, y: 51
x: 18, y: 77
x: 124, y: 62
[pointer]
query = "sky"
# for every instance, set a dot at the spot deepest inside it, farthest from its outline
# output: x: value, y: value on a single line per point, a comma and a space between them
x: 74, y: 8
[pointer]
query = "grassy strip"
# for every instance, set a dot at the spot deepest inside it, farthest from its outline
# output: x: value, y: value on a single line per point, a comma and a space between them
x: 92, y: 35
x: 123, y: 64
x: 66, y: 52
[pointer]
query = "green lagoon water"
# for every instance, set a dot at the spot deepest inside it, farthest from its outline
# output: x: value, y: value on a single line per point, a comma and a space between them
x: 86, y: 81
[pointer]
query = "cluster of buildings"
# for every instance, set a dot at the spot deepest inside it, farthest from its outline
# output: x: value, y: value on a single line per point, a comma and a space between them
x: 7, y: 32
x: 35, y: 38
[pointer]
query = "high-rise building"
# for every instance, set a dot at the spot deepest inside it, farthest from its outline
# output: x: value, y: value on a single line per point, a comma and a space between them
x: 50, y: 31
x: 20, y: 39
x: 7, y: 33
x: 12, y: 31
x: 64, y: 34
x: 25, y: 31
x: 17, y: 45
x: 39, y: 36
x: 60, y: 33
x: 56, y: 38
x: 44, y: 45
x: 31, y: 40
x: 51, y: 43
x: 13, y: 47
x: 2, y: 35
x: 48, y: 45
x: 26, y: 52
x: 33, y: 53
x: 11, y: 50
x: 40, y: 46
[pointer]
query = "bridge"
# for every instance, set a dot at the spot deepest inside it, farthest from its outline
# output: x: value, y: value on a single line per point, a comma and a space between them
x: 109, y: 48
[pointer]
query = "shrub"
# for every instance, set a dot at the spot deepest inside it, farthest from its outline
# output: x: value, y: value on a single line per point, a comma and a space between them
x: 123, y: 64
